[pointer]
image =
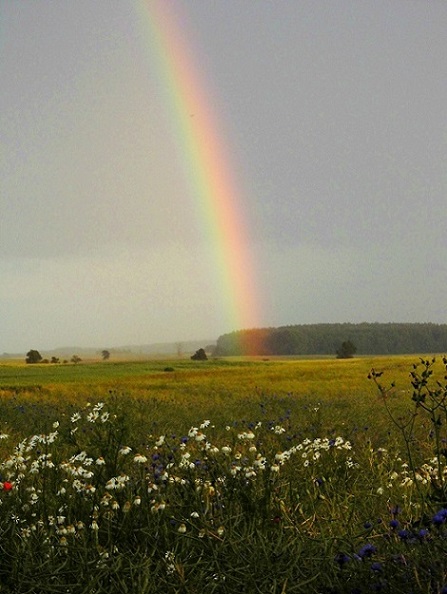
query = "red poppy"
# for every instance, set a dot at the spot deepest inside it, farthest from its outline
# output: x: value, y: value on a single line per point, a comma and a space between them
x: 7, y: 486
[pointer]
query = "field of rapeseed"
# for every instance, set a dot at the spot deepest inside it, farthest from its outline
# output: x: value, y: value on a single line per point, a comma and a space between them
x: 271, y: 477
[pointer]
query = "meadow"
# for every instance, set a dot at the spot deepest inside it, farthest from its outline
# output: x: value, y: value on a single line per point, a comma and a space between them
x: 228, y: 475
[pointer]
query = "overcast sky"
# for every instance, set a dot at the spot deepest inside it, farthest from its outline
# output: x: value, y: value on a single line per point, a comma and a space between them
x: 335, y: 112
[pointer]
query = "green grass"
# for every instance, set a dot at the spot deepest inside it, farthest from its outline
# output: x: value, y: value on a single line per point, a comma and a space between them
x: 224, y: 390
x: 237, y: 475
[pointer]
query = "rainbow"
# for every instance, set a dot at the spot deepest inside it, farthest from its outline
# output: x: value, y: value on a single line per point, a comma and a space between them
x: 206, y: 159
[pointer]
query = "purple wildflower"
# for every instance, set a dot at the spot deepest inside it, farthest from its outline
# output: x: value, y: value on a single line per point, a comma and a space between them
x: 440, y: 517
x: 341, y: 559
x: 367, y: 551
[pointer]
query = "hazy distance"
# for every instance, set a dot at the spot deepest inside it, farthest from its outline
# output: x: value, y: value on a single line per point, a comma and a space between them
x: 335, y: 117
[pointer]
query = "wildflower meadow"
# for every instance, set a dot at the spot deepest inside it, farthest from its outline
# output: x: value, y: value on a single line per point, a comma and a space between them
x: 271, y: 491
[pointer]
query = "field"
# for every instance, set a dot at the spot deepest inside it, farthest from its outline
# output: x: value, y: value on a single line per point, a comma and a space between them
x: 232, y: 475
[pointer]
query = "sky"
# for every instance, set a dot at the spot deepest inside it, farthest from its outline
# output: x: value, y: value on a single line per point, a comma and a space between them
x: 333, y: 117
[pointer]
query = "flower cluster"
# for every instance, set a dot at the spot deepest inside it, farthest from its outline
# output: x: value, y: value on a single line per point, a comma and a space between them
x: 90, y: 482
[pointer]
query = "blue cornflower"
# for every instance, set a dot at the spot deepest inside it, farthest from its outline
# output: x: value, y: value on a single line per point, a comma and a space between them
x: 404, y: 534
x: 376, y: 566
x: 394, y: 524
x: 367, y: 551
x: 367, y: 525
x: 341, y: 559
x: 440, y: 517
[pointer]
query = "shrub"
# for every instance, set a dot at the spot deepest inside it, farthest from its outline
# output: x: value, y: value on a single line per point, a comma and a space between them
x: 199, y: 355
x: 33, y: 356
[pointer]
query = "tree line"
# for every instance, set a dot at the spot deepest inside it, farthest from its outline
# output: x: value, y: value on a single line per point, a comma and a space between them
x: 33, y: 356
x: 326, y: 339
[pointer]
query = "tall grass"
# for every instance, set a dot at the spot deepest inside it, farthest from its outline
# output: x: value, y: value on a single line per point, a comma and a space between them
x: 262, y: 476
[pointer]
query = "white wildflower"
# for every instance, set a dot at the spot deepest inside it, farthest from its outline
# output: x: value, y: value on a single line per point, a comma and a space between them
x: 406, y: 482
x: 246, y: 435
x: 125, y: 450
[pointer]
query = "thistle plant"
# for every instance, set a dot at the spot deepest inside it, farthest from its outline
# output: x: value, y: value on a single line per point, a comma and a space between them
x: 429, y: 402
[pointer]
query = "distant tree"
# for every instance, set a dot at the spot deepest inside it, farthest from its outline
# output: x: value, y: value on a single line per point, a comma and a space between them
x: 54, y: 360
x: 199, y: 355
x: 76, y: 359
x: 105, y: 355
x: 346, y: 351
x: 33, y: 356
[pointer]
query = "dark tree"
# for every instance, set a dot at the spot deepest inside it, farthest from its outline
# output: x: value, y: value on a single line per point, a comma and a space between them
x: 105, y: 354
x: 33, y: 356
x: 54, y: 359
x: 199, y: 355
x: 76, y: 359
x: 346, y: 351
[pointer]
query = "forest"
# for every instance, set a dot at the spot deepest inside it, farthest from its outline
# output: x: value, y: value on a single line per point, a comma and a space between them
x: 325, y: 339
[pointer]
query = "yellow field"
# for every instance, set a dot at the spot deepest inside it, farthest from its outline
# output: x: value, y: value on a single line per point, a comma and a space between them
x: 178, y: 392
